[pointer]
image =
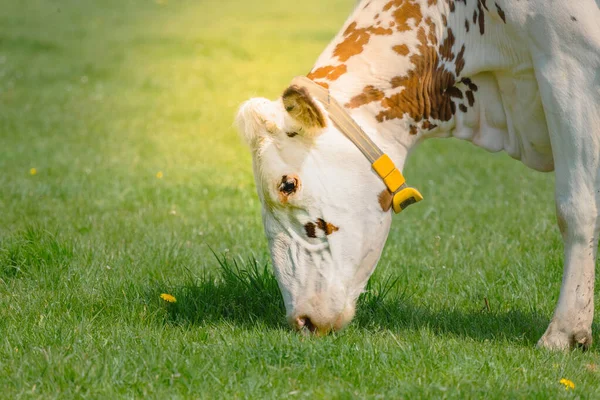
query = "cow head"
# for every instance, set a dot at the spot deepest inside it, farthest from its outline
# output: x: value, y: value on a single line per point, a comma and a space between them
x: 325, y: 213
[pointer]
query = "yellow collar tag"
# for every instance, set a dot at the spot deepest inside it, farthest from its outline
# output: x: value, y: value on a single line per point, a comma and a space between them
x: 403, y: 196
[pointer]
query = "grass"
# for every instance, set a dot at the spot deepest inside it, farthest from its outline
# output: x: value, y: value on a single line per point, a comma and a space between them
x: 101, y: 96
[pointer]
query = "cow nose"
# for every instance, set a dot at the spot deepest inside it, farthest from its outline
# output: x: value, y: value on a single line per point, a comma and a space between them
x: 304, y: 322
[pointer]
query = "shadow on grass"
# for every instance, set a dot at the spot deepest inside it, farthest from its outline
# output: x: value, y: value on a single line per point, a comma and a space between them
x: 246, y: 293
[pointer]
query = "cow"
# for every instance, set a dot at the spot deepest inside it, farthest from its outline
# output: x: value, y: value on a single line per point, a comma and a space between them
x: 512, y: 75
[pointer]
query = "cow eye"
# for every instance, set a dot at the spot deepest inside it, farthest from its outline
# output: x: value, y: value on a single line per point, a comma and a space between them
x: 288, y: 184
x: 291, y: 134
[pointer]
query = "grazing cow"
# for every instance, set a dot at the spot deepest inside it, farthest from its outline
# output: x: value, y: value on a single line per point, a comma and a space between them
x: 519, y: 76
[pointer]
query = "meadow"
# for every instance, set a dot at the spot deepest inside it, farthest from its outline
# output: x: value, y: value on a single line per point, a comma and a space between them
x: 122, y: 178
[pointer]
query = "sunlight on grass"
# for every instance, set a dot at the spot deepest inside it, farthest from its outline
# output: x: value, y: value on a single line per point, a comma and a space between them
x: 121, y: 173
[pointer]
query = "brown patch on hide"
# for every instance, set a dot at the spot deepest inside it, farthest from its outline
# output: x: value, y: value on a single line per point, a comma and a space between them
x: 459, y: 63
x: 467, y: 25
x: 481, y: 20
x: 385, y: 199
x: 310, y: 230
x: 326, y: 227
x: 470, y: 97
x: 401, y: 49
x: 328, y: 72
x: 287, y: 187
x: 469, y: 83
x: 428, y: 125
x: 446, y: 46
x: 355, y: 40
x: 353, y: 44
x: 370, y: 93
x: 453, y: 91
x: 451, y: 5
x: 500, y: 12
x: 462, y: 108
x: 427, y: 88
x: 403, y: 12
x: 300, y: 105
x: 431, y: 27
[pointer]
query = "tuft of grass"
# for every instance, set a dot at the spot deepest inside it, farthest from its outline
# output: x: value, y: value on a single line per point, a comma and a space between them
x: 241, y: 292
x: 32, y: 253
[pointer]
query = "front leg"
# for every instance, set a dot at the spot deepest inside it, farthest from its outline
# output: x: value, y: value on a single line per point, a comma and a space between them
x: 572, y: 108
x: 571, y: 325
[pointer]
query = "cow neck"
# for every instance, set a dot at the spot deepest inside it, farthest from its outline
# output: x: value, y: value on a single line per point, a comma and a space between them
x: 414, y: 101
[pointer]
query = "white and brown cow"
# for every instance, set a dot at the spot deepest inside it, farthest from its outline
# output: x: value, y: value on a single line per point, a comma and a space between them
x: 513, y: 75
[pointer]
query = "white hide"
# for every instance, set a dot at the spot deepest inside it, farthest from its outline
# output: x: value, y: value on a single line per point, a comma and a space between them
x: 536, y: 68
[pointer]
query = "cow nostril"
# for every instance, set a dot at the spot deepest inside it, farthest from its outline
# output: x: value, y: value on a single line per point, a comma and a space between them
x: 305, y: 323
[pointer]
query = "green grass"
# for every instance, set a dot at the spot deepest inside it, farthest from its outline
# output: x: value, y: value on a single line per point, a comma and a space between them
x: 100, y: 96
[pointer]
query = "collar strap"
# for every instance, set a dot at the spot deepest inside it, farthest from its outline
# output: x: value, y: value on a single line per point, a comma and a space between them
x: 382, y: 164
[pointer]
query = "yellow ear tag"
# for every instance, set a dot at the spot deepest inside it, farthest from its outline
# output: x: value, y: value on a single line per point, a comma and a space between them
x: 405, y: 198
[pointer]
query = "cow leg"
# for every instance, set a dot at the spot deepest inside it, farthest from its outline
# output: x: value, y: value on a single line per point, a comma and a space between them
x: 572, y: 113
x: 571, y: 325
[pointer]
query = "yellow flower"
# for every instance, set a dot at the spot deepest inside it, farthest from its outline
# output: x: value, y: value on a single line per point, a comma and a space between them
x: 568, y: 384
x: 168, y: 297
x: 159, y: 174
x: 32, y: 171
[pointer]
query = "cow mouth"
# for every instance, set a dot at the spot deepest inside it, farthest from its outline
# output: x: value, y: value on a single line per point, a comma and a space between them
x: 305, y: 325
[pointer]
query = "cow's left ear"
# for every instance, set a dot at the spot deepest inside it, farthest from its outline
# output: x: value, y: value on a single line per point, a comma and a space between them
x: 304, y: 109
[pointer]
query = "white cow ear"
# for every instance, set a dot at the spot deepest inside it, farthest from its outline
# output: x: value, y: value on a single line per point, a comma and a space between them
x: 304, y: 110
x: 256, y: 118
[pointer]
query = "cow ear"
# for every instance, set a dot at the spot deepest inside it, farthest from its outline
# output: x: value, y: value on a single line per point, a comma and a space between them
x: 304, y: 109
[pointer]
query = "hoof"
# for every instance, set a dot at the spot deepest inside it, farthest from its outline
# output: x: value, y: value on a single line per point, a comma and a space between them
x: 557, y: 340
x: 582, y: 340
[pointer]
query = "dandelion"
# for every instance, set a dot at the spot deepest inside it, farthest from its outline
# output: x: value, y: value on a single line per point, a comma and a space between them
x: 159, y: 174
x: 568, y: 384
x: 32, y: 171
x: 168, y: 298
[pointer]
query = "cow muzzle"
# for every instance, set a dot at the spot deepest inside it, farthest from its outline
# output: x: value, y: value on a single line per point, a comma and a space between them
x: 319, y: 323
